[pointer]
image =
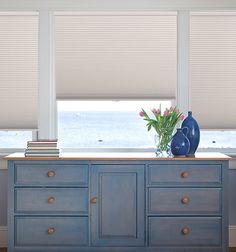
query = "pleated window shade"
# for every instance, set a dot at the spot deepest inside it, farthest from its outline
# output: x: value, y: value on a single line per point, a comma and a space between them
x: 213, y: 69
x: 18, y: 70
x: 115, y: 55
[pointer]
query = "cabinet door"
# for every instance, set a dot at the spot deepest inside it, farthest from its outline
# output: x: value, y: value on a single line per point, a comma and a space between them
x: 117, y: 205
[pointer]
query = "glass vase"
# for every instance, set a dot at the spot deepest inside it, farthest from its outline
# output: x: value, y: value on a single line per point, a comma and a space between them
x: 162, y: 146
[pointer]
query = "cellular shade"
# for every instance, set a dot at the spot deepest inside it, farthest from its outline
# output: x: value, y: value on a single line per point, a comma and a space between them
x: 19, y: 70
x: 213, y: 69
x: 115, y: 55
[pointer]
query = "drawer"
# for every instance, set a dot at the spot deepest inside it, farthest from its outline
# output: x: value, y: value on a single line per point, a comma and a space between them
x: 183, y: 174
x: 51, y: 174
x: 188, y: 231
x: 184, y: 201
x: 49, y: 231
x: 56, y: 200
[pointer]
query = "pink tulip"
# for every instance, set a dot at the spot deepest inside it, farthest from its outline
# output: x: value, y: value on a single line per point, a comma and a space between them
x: 177, y: 111
x: 141, y: 113
x: 166, y: 113
x: 154, y: 111
x: 171, y: 109
x: 182, y: 117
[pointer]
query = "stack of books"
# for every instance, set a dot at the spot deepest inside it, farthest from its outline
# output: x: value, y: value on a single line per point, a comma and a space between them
x: 42, y: 148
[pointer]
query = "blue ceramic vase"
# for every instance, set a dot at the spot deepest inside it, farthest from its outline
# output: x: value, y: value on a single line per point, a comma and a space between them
x: 193, y: 134
x: 180, y: 144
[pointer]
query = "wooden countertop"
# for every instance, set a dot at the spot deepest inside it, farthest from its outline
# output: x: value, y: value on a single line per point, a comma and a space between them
x: 118, y: 156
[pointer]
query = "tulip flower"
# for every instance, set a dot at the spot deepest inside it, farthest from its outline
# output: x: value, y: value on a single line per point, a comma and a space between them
x: 141, y: 113
x: 166, y: 113
x: 181, y: 117
x: 163, y: 123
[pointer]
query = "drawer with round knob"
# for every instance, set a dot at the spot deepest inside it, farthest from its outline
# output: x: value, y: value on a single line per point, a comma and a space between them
x: 51, y: 231
x: 184, y: 231
x: 51, y: 200
x: 51, y: 174
x: 184, y: 201
x: 184, y: 174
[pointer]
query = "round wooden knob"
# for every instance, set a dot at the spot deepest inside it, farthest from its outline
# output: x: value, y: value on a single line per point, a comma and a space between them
x: 50, y: 230
x: 185, y: 200
x: 185, y: 231
x: 51, y: 200
x: 184, y: 174
x: 51, y: 174
x: 93, y: 200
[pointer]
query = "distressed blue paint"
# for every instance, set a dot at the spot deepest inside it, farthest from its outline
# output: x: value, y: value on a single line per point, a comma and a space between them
x: 68, y: 231
x: 231, y: 193
x: 138, y: 206
x: 118, y: 217
x: 167, y: 231
x: 170, y: 174
x: 201, y: 201
x: 36, y: 174
x: 35, y: 200
x: 3, y: 197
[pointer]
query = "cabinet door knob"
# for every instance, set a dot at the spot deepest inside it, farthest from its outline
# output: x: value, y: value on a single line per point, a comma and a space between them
x: 93, y: 200
x: 51, y: 200
x: 184, y: 174
x: 50, y: 230
x: 51, y: 174
x: 185, y: 231
x: 185, y: 200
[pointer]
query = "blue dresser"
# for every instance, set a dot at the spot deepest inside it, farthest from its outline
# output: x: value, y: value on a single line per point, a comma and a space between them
x: 114, y: 202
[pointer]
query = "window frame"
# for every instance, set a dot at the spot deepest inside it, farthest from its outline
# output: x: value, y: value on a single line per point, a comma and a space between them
x: 47, y: 99
x: 183, y: 86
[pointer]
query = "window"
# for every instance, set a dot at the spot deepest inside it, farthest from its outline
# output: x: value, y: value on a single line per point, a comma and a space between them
x: 116, y: 124
x: 102, y: 56
x: 213, y: 76
x: 213, y: 69
x: 104, y: 124
x: 218, y: 139
x: 14, y: 139
x: 19, y: 70
x: 112, y: 56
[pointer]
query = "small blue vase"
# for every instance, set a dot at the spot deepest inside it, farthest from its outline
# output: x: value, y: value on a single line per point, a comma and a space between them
x: 180, y: 144
x: 193, y: 134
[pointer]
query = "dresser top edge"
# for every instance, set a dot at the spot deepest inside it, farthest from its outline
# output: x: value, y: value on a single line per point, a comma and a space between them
x: 119, y: 156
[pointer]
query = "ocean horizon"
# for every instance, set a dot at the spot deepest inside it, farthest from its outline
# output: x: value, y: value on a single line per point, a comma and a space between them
x: 109, y: 129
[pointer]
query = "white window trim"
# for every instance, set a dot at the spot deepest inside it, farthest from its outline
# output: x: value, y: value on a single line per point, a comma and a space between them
x: 47, y: 120
x: 104, y: 5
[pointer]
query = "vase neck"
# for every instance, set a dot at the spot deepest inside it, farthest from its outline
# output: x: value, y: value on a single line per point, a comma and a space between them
x: 189, y: 113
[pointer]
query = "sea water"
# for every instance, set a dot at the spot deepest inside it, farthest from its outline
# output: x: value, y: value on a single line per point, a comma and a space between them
x: 109, y: 129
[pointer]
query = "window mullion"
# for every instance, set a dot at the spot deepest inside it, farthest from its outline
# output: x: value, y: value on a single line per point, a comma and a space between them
x: 47, y: 123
